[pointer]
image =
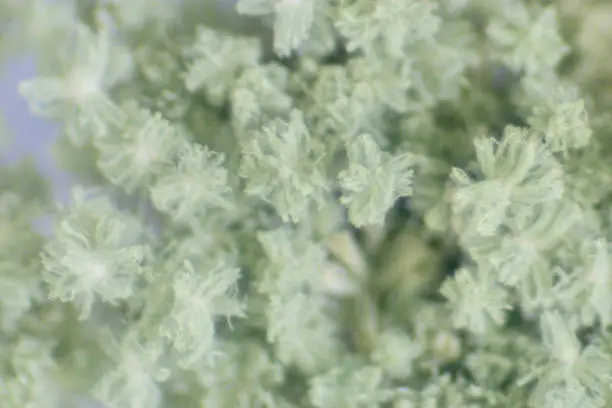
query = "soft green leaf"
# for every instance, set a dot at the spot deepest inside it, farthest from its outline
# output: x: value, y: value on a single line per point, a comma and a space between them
x: 93, y: 254
x: 244, y: 376
x: 517, y: 173
x: 477, y: 301
x: 259, y: 95
x: 19, y: 263
x: 197, y: 185
x: 216, y: 62
x: 350, y: 386
x: 27, y: 374
x: 302, y: 331
x: 292, y: 261
x: 392, y: 24
x: 568, y: 367
x: 293, y: 20
x: 395, y: 352
x: 281, y: 164
x: 292, y: 24
x: 564, y: 126
x: 387, y: 80
x: 528, y: 39
x: 140, y: 151
x: 135, y: 377
x: 200, y: 298
x: 78, y: 93
x: 292, y: 278
x: 374, y: 180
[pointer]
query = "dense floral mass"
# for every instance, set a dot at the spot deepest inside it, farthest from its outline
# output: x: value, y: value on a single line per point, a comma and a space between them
x: 312, y: 203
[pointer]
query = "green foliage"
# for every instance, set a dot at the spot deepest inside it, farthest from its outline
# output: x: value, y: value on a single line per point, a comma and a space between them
x: 197, y: 184
x: 134, y: 376
x: 94, y: 252
x: 311, y: 203
x: 200, y: 298
x: 583, y: 374
x: 75, y: 90
x: 293, y: 20
x: 395, y: 353
x: 292, y: 283
x: 527, y: 37
x: 350, y: 385
x: 391, y: 23
x: 33, y: 387
x: 476, y: 301
x: 217, y: 61
x: 245, y: 376
x: 565, y: 124
x: 282, y: 165
x: 519, y: 174
x: 140, y: 150
x: 19, y: 264
x: 373, y: 181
